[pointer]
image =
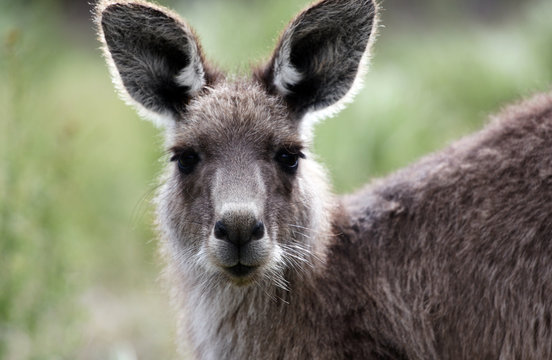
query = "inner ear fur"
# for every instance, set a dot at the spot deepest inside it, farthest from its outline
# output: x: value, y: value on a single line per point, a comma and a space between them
x: 320, y: 53
x: 154, y: 56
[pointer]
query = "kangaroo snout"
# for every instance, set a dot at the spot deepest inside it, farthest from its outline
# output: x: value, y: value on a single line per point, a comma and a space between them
x: 239, y: 228
x: 239, y: 243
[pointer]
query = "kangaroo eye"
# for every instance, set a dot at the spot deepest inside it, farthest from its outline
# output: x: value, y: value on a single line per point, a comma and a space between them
x: 289, y: 160
x: 187, y: 161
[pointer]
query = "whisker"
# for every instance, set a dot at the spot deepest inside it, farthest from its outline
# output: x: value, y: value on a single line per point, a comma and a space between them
x: 140, y: 208
x: 299, y: 226
x: 300, y: 233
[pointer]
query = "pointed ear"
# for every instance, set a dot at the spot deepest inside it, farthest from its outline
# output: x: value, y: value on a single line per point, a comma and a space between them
x: 319, y: 55
x: 155, y: 59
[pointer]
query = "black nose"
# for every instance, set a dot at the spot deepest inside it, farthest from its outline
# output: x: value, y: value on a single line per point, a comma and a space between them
x: 239, y: 229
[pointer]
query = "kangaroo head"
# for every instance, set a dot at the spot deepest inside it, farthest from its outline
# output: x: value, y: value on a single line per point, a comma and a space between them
x: 242, y: 199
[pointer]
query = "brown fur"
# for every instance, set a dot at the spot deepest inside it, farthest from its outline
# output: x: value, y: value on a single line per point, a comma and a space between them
x: 449, y: 258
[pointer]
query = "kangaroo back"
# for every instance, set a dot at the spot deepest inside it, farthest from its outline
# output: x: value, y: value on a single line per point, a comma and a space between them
x: 459, y: 245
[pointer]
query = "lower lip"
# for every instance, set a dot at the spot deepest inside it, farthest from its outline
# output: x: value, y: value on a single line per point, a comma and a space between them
x: 240, y: 270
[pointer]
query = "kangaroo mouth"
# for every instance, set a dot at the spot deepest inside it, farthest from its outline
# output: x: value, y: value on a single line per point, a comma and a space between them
x: 240, y: 270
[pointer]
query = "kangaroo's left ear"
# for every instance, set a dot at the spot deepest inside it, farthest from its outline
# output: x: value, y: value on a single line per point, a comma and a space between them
x: 320, y: 54
x: 155, y: 59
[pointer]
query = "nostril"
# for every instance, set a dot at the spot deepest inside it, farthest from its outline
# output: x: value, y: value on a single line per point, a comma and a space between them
x: 258, y: 231
x: 238, y: 230
x: 220, y: 231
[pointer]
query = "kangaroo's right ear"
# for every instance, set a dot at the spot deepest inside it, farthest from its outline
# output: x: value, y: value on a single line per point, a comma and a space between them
x: 154, y: 57
x: 320, y: 55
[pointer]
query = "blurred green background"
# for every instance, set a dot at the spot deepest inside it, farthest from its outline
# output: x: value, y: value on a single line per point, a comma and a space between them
x: 78, y: 264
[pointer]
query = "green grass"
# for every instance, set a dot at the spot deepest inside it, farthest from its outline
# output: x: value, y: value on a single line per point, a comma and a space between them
x: 78, y: 270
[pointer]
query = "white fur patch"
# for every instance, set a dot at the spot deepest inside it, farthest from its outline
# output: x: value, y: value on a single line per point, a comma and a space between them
x: 193, y: 75
x: 235, y: 207
x: 285, y: 75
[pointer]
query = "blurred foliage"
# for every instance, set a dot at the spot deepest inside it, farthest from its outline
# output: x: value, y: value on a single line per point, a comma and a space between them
x: 72, y: 232
x: 78, y: 267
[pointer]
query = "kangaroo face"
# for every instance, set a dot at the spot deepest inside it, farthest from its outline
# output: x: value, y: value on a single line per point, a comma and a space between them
x: 242, y: 199
x: 232, y: 187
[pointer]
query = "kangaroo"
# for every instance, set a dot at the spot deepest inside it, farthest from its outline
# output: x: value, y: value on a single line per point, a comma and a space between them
x: 448, y: 258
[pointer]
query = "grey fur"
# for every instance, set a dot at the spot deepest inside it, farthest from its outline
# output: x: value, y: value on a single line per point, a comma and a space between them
x: 449, y: 258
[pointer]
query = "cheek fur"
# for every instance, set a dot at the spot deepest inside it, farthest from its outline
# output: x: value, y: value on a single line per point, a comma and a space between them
x: 281, y: 204
x: 190, y: 207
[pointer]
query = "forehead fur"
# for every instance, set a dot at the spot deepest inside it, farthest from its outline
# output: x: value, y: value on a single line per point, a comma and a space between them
x: 236, y: 112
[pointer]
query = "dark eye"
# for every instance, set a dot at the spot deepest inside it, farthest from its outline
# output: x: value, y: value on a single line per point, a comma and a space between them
x: 186, y: 160
x: 289, y: 160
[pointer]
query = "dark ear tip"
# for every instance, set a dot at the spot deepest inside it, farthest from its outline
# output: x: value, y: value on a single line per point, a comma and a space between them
x: 370, y: 8
x: 370, y: 5
x: 105, y: 6
x: 108, y: 8
x: 103, y: 9
x: 118, y: 14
